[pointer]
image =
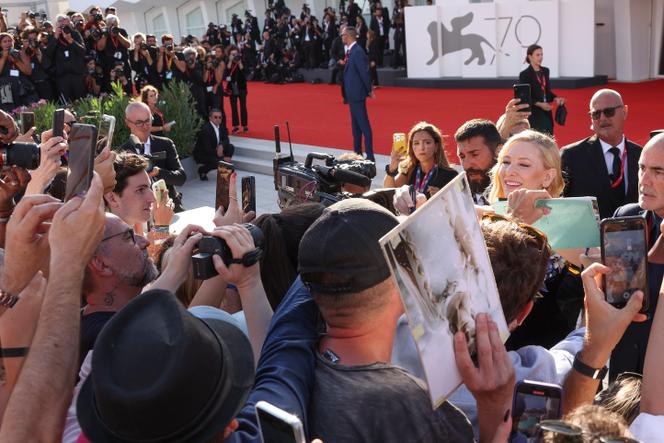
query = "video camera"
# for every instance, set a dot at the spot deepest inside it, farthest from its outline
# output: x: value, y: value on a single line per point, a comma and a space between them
x: 296, y: 182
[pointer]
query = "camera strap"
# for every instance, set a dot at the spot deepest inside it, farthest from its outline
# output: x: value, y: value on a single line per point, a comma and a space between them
x: 249, y: 259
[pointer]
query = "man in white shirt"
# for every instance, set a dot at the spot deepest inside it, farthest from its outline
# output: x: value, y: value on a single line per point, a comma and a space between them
x: 212, y: 144
x: 604, y: 165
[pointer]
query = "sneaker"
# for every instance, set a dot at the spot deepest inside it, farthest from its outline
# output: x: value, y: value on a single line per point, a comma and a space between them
x: 235, y: 130
x: 245, y: 129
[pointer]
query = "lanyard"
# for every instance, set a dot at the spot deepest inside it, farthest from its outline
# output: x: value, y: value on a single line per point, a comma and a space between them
x: 419, y: 184
x: 619, y: 180
x: 541, y: 79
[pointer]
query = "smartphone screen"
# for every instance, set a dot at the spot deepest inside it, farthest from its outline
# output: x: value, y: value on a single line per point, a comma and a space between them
x: 105, y: 135
x: 399, y: 143
x: 82, y: 139
x: 224, y: 171
x: 522, y: 91
x: 275, y: 429
x: 27, y: 121
x: 533, y: 402
x: 249, y: 194
x: 625, y: 251
x: 58, y: 122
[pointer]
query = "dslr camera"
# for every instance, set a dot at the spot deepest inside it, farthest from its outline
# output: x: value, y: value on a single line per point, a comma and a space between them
x: 144, y: 46
x: 98, y: 17
x: 169, y: 47
x: 23, y: 155
x: 209, y: 246
x: 67, y: 29
x: 14, y: 53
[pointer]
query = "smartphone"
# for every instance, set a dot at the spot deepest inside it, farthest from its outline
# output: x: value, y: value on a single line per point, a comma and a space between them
x: 27, y: 121
x: 277, y: 425
x: 533, y: 402
x: 522, y: 92
x: 625, y: 250
x: 399, y: 143
x: 249, y: 194
x: 58, y: 122
x: 105, y: 133
x: 82, y: 139
x: 224, y: 172
x: 159, y: 189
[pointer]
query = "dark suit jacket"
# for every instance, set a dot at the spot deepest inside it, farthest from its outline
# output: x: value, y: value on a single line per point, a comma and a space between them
x: 373, y: 25
x: 529, y: 76
x: 584, y: 170
x: 357, y: 82
x: 630, y: 352
x: 206, y: 143
x: 170, y: 169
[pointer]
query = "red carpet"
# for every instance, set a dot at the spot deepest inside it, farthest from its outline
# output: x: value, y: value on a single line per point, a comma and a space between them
x: 318, y: 117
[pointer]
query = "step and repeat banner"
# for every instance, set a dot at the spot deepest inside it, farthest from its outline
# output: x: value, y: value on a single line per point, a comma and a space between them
x: 488, y: 40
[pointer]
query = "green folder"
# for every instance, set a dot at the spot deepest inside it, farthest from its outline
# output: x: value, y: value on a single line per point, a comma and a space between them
x: 572, y: 223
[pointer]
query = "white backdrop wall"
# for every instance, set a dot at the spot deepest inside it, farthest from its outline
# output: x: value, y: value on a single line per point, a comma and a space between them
x: 488, y: 40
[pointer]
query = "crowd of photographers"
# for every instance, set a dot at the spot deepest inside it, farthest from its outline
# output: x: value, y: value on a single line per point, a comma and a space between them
x: 77, y: 54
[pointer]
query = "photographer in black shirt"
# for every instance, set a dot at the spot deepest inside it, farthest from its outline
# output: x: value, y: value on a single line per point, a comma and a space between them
x: 192, y: 74
x: 236, y: 88
x: 113, y: 48
x: 168, y: 61
x: 94, y: 29
x: 67, y: 52
x: 40, y: 64
x: 142, y: 62
x: 13, y: 63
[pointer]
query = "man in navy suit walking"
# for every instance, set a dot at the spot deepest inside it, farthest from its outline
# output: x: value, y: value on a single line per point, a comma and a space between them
x: 357, y: 85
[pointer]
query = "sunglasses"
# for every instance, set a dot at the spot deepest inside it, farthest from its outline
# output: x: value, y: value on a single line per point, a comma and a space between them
x: 129, y: 233
x: 564, y: 432
x: 608, y: 112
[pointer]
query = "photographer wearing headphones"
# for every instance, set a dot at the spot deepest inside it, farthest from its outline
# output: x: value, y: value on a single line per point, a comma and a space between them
x: 67, y: 52
x: 113, y: 49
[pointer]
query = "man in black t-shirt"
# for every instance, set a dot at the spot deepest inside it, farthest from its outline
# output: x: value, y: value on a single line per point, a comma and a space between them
x: 66, y: 51
x: 113, y: 50
x: 116, y: 274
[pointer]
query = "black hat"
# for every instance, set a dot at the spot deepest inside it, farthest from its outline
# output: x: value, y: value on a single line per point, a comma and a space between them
x: 159, y: 374
x: 344, y: 242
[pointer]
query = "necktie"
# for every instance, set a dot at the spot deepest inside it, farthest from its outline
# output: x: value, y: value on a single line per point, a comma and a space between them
x: 346, y: 56
x: 617, y: 191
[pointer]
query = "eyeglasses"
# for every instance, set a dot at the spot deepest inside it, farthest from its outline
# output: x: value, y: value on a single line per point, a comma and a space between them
x: 140, y: 122
x: 608, y: 112
x: 568, y: 433
x: 216, y: 117
x: 128, y: 233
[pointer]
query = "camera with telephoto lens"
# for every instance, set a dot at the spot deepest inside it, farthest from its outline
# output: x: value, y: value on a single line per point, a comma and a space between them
x: 169, y: 47
x: 14, y: 53
x: 115, y: 30
x: 78, y: 24
x: 31, y: 14
x: 297, y: 183
x: 23, y: 155
x: 144, y: 47
x: 209, y: 246
x: 98, y: 17
x: 67, y: 29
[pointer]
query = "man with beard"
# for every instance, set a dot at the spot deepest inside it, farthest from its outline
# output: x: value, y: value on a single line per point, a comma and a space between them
x: 117, y: 272
x: 477, y: 148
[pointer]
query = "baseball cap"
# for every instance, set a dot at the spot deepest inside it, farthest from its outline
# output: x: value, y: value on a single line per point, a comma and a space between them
x: 343, y: 244
x: 160, y: 374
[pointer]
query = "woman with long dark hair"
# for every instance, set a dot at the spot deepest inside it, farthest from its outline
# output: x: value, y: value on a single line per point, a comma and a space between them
x: 425, y: 166
x: 541, y: 95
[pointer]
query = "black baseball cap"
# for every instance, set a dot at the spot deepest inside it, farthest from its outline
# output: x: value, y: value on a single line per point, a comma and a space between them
x: 161, y: 374
x: 340, y: 252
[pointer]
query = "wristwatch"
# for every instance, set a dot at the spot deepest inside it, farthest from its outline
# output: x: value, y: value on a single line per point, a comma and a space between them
x: 595, y: 374
x: 7, y: 300
x: 391, y: 173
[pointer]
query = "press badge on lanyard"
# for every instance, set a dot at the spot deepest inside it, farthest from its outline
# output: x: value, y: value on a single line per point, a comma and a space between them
x: 169, y: 75
x: 66, y: 54
x: 13, y: 72
x: 118, y: 55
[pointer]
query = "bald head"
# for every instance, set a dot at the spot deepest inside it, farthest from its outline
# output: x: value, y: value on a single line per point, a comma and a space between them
x: 608, y: 114
x: 657, y: 142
